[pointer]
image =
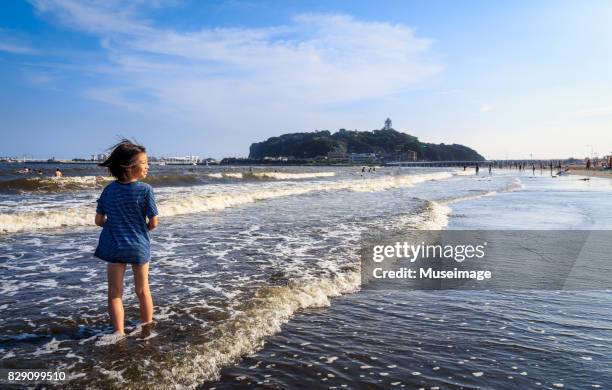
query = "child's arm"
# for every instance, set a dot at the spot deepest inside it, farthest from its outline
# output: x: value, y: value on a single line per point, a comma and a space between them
x: 152, y: 224
x: 151, y: 209
x: 100, y: 219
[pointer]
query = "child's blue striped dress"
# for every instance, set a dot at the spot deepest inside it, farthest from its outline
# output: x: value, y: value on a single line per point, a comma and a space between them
x: 125, y: 235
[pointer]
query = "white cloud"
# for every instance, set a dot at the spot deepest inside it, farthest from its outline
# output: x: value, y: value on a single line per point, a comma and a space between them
x: 16, y: 49
x: 94, y: 16
x: 252, y: 75
x: 116, y: 96
x: 11, y: 43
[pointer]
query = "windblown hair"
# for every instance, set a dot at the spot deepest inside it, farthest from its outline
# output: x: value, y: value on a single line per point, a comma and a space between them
x: 122, y: 158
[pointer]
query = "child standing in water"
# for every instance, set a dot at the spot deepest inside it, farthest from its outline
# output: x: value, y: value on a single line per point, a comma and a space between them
x: 127, y: 212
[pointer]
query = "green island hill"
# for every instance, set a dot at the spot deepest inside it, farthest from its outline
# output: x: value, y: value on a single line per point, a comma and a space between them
x: 387, y: 144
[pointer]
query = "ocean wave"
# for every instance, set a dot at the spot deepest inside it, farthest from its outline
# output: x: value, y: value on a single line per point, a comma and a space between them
x: 197, y: 202
x: 79, y: 183
x: 263, y: 315
x: 270, y: 175
x: 433, y: 217
x: 53, y: 184
x: 516, y: 185
x: 259, y: 315
x: 291, y: 176
x: 225, y: 175
x: 193, y: 203
x: 49, y: 219
x: 483, y: 194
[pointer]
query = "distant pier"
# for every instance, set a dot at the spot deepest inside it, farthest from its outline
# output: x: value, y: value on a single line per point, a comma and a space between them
x: 494, y: 163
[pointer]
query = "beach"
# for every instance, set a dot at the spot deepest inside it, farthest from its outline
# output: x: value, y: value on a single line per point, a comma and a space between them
x: 607, y: 173
x: 256, y: 280
x: 305, y: 195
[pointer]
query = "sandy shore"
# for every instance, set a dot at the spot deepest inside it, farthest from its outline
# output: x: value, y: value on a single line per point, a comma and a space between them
x: 591, y: 172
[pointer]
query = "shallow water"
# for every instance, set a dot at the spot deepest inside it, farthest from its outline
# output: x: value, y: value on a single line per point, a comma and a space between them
x: 457, y: 339
x: 443, y: 339
x: 244, y: 262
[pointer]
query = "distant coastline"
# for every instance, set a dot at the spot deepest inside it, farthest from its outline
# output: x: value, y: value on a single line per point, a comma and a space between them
x: 355, y: 147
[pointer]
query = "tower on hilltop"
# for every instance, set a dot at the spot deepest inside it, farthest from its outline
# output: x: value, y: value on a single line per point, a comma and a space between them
x: 388, y: 125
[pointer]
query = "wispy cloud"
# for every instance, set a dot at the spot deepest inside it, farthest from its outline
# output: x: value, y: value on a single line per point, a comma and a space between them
x: 16, y: 49
x: 10, y: 43
x: 486, y: 108
x: 315, y: 60
x: 94, y: 16
x: 40, y: 78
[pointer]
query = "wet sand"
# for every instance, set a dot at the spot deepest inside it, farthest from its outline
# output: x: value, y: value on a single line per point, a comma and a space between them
x: 591, y: 172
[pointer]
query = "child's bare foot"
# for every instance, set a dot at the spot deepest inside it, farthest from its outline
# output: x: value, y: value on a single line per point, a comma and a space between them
x: 108, y: 339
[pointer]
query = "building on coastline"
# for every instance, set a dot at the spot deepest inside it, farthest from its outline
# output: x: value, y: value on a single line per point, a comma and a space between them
x: 279, y: 158
x: 362, y: 158
x: 399, y: 156
x: 407, y: 155
x: 180, y: 160
x: 338, y: 155
x: 388, y: 124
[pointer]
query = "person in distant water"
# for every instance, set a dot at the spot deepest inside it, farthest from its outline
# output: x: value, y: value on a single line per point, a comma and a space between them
x: 126, y: 212
x: 58, y: 173
x: 39, y: 172
x: 477, y: 168
x: 588, y: 164
x: 363, y: 169
x: 489, y: 169
x: 532, y: 169
x: 551, y: 168
x: 464, y: 167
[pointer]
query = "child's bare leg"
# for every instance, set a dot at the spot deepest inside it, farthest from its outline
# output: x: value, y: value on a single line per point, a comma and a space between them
x: 115, y: 274
x: 141, y: 282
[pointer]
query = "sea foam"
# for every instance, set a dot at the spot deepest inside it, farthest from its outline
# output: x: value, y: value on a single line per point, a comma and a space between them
x: 203, y: 199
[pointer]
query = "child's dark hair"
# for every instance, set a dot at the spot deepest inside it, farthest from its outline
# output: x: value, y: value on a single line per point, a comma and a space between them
x: 121, y: 158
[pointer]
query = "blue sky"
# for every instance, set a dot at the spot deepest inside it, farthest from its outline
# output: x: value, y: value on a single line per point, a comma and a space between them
x: 508, y: 78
